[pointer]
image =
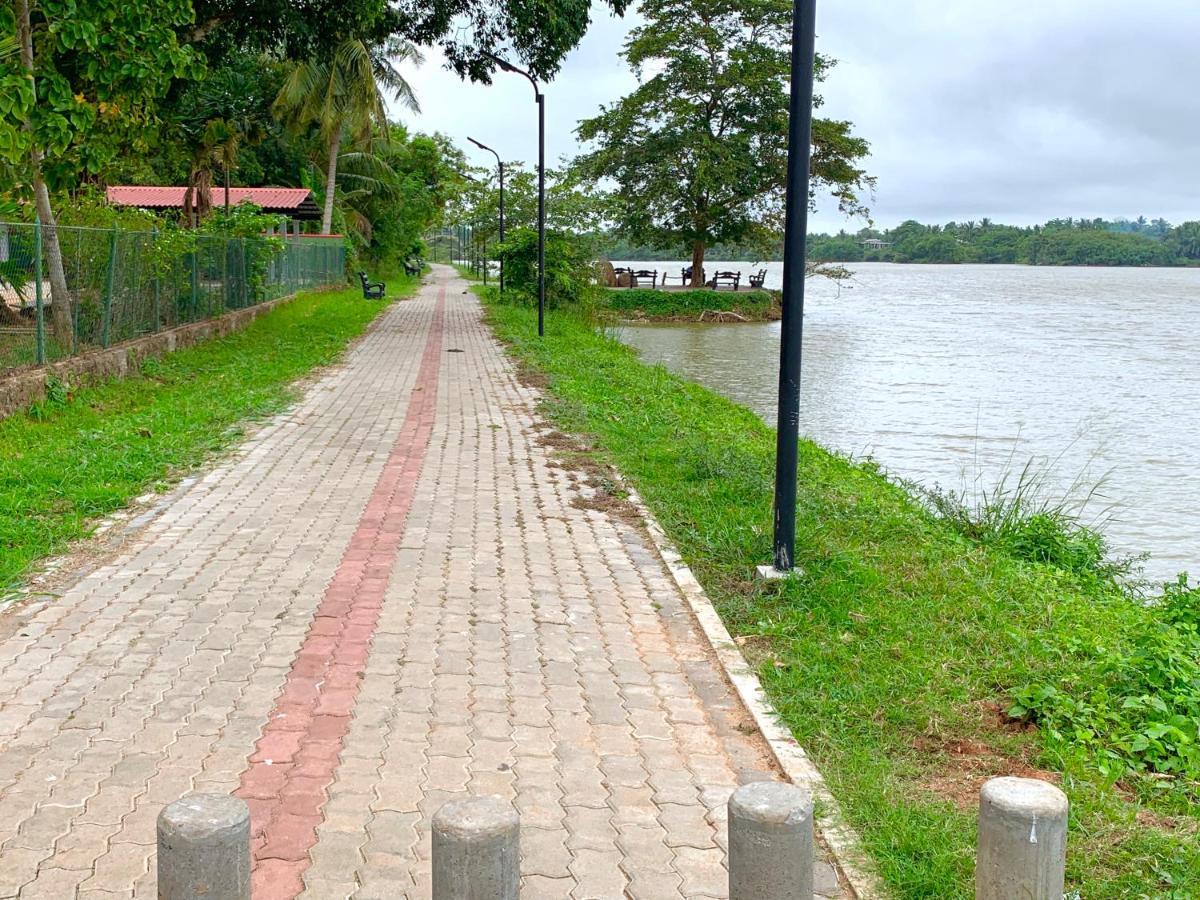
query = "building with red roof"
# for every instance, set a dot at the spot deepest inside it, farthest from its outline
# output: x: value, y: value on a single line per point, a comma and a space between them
x: 295, y: 203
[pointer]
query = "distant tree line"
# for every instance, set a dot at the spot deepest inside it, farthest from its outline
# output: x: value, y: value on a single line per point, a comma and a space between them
x: 1060, y: 242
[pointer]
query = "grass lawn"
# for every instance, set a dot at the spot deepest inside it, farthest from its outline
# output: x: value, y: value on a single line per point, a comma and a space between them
x: 892, y: 657
x: 80, y: 455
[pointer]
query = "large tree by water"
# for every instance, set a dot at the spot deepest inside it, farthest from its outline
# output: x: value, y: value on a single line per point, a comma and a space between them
x: 699, y: 150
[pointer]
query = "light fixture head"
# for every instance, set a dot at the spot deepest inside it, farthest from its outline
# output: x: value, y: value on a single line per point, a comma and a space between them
x: 500, y: 61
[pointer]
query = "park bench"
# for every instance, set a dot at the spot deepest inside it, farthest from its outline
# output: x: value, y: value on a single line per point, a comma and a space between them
x: 685, y: 277
x: 757, y: 279
x: 725, y: 279
x: 413, y: 267
x: 641, y: 275
x: 371, y: 290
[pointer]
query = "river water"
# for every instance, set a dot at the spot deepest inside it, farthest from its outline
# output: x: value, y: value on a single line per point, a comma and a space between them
x: 959, y: 375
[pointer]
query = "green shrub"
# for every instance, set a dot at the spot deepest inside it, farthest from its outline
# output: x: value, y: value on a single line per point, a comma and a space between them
x: 1134, y: 709
x: 570, y: 272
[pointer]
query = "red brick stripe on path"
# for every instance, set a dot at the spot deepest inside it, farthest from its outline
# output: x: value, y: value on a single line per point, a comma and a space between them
x: 294, y: 761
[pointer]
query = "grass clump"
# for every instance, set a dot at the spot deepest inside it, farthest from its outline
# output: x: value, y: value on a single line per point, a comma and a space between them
x: 80, y: 454
x: 898, y: 651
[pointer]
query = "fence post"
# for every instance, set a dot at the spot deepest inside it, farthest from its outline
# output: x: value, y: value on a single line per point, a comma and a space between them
x: 194, y: 280
x: 157, y: 279
x: 476, y: 850
x: 226, y: 246
x: 1022, y: 840
x: 770, y: 842
x: 204, y: 849
x: 109, y: 282
x: 39, y: 301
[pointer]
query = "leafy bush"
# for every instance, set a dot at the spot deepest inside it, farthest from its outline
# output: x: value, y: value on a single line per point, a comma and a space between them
x: 570, y: 273
x: 1135, y: 709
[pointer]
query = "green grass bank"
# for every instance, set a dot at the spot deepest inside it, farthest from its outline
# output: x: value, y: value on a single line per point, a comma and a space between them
x: 669, y: 306
x: 81, y: 454
x: 895, y: 656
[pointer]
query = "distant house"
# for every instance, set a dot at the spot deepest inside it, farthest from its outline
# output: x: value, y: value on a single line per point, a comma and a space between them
x: 295, y: 203
x: 875, y: 244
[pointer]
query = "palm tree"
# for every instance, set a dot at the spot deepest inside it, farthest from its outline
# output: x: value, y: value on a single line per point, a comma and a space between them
x: 343, y: 97
x: 224, y: 113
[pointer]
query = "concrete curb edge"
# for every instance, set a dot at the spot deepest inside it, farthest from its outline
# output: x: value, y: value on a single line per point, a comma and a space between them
x: 843, y: 841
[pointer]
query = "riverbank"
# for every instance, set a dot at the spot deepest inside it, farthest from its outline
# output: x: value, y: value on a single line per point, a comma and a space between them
x: 898, y: 654
x: 82, y: 454
x: 701, y: 305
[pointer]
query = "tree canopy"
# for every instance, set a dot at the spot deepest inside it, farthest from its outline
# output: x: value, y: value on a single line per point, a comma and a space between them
x: 698, y: 150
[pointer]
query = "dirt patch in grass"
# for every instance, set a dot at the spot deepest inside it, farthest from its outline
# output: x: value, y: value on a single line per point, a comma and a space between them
x: 962, y: 765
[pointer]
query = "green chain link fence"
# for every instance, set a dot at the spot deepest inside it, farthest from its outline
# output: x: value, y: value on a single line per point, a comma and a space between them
x: 124, y: 284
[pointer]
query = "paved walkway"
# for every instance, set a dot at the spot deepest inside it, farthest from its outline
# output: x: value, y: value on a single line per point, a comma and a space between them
x: 389, y: 596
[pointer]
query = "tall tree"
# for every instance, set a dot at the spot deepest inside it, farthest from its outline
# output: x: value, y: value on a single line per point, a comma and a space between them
x: 82, y: 89
x: 699, y: 149
x: 341, y: 96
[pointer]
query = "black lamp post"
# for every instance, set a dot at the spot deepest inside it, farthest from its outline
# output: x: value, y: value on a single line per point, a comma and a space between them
x: 795, y: 227
x: 500, y: 166
x: 541, y: 104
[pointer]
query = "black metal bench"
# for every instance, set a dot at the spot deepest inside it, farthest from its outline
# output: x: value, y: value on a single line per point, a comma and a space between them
x: 756, y: 280
x: 372, y: 290
x: 637, y: 279
x: 413, y: 266
x: 725, y: 279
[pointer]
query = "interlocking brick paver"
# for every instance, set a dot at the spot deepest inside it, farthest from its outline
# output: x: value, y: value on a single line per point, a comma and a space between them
x: 387, y: 598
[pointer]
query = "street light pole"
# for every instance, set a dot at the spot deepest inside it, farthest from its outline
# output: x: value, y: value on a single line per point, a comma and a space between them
x: 795, y: 228
x: 541, y: 104
x: 500, y: 166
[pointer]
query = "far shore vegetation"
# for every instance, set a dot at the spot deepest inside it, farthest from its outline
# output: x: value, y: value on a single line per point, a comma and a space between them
x: 926, y: 643
x: 1059, y: 242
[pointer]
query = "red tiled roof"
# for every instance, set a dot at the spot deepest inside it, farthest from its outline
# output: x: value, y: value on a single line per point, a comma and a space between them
x: 164, y: 197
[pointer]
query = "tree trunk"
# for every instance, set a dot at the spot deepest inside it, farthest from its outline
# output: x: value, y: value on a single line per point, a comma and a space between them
x: 60, y: 296
x: 697, y: 264
x: 335, y: 145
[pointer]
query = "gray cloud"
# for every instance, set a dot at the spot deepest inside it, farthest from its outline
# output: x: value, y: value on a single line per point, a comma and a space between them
x: 1019, y: 110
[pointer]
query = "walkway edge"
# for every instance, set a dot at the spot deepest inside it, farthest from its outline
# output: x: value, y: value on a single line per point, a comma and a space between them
x: 842, y: 840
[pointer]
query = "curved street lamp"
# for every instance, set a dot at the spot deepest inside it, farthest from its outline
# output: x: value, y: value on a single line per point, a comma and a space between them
x: 541, y: 103
x: 500, y: 165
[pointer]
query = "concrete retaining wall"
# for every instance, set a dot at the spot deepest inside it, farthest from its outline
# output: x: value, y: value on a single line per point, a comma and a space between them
x: 25, y: 387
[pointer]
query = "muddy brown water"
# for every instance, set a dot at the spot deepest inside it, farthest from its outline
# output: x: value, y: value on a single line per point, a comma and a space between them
x: 959, y: 375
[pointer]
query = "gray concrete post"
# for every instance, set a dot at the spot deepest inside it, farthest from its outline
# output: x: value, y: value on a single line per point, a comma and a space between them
x: 204, y: 849
x: 770, y: 842
x: 1022, y: 840
x: 476, y: 850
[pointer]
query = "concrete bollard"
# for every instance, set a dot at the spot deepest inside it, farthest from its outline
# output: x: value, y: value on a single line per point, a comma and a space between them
x: 1022, y: 840
x: 204, y: 849
x: 770, y: 842
x: 476, y: 850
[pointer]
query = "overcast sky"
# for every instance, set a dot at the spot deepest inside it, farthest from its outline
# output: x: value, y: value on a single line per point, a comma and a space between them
x: 1017, y: 110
